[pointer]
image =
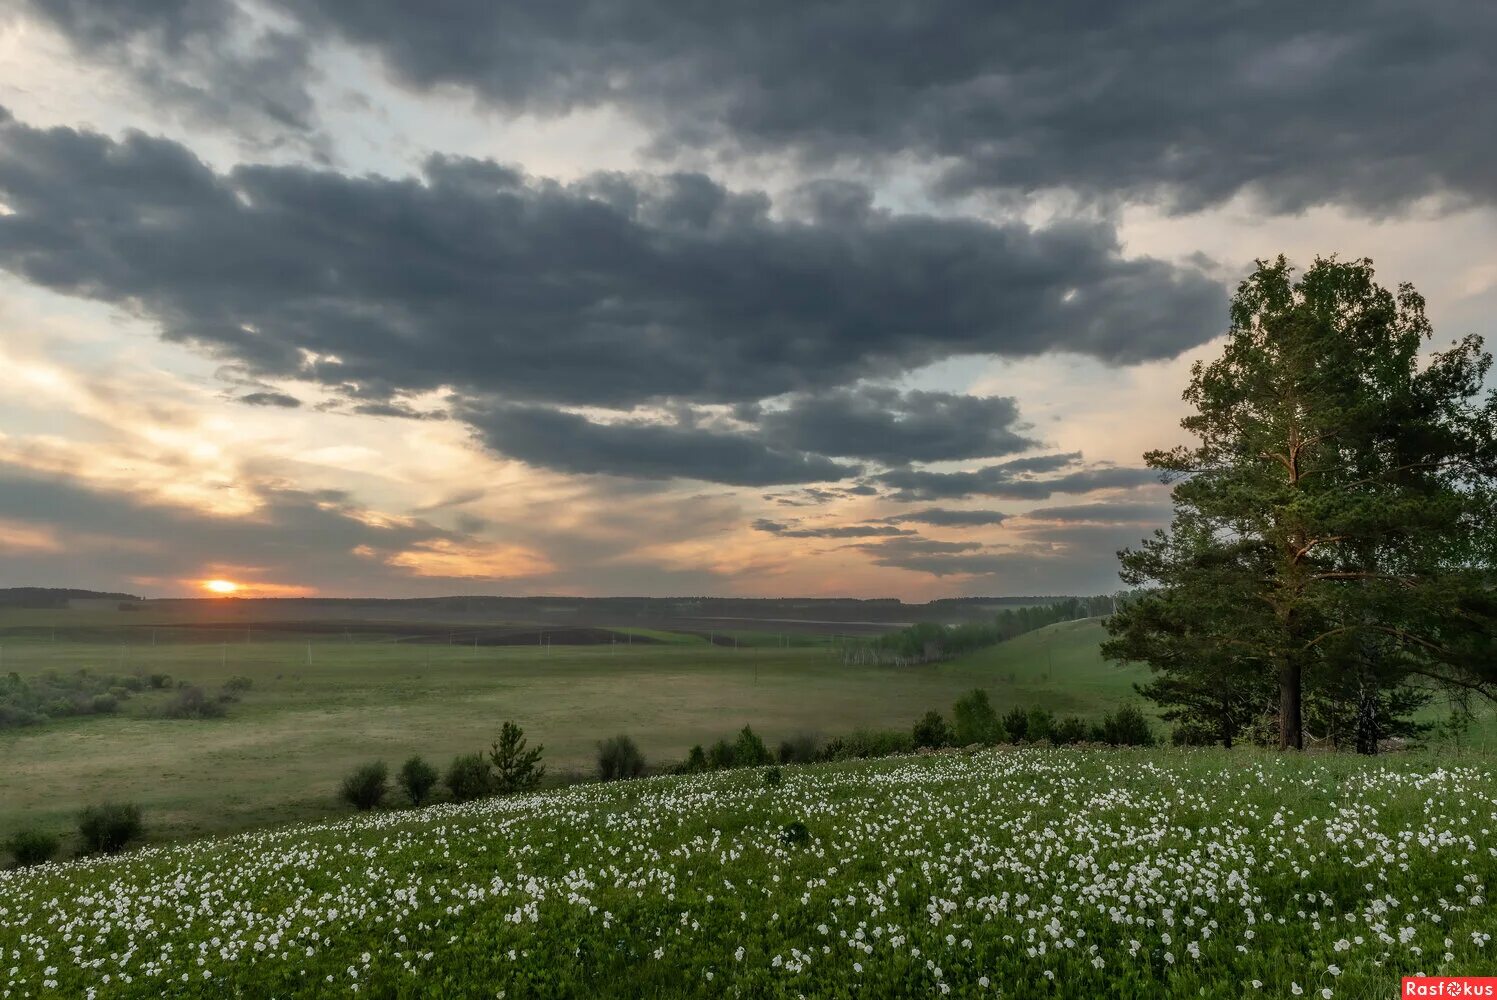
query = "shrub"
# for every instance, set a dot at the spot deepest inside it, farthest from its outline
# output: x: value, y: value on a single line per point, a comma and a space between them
x: 931, y: 731
x: 238, y: 685
x: 192, y: 703
x: 133, y: 683
x: 516, y: 769
x: 32, y: 847
x: 864, y: 743
x: 468, y: 778
x: 975, y: 720
x: 1068, y: 730
x: 1127, y: 727
x: 749, y: 750
x: 720, y: 755
x: 416, y: 779
x: 159, y: 682
x: 365, y: 788
x: 1195, y: 733
x: 795, y: 833
x: 696, y: 760
x: 619, y: 758
x: 103, y: 704
x: 802, y: 748
x: 1038, y: 724
x: 108, y: 828
x: 774, y: 776
x: 1016, y: 724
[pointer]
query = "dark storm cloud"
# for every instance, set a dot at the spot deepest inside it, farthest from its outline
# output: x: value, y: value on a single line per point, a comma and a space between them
x: 612, y: 291
x: 280, y: 399
x: 202, y: 56
x: 948, y: 518
x: 1011, y: 480
x: 840, y: 531
x: 569, y: 442
x: 1371, y: 104
x: 893, y: 427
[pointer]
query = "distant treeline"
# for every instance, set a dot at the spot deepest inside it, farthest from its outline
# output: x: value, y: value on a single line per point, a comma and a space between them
x: 928, y: 642
x: 53, y: 597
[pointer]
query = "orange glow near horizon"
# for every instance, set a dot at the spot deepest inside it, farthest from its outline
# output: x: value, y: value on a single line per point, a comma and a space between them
x: 221, y: 586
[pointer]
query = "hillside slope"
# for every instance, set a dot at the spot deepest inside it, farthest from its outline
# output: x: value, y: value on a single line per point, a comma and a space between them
x: 1037, y: 872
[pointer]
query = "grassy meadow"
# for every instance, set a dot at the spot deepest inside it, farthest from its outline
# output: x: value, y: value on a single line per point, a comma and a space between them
x: 1010, y: 872
x: 324, y: 702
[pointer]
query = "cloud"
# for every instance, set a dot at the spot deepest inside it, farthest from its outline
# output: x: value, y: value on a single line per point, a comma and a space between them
x: 294, y: 537
x: 839, y: 531
x: 207, y: 58
x: 947, y: 518
x: 893, y: 427
x: 1121, y: 512
x: 1076, y: 559
x: 613, y: 291
x: 1011, y: 480
x: 1160, y: 99
x: 570, y: 442
x: 280, y: 399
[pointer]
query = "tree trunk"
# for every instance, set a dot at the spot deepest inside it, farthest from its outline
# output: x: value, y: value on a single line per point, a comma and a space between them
x: 1366, y: 714
x: 1291, y: 725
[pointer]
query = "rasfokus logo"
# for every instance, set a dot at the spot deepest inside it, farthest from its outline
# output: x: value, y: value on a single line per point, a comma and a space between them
x: 1449, y: 986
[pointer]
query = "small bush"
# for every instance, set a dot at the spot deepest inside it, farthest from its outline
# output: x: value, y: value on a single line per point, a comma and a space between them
x: 365, y: 788
x: 774, y: 777
x: 1038, y: 724
x: 1068, y: 731
x: 1016, y: 724
x: 192, y: 703
x: 32, y: 847
x: 1194, y: 733
x: 720, y: 755
x: 802, y: 748
x: 103, y: 704
x: 974, y: 720
x: 238, y: 685
x: 749, y: 750
x: 1127, y: 727
x: 619, y: 758
x: 866, y: 743
x: 416, y: 779
x: 468, y: 778
x: 108, y: 828
x: 133, y: 683
x: 696, y: 761
x: 931, y: 731
x: 159, y: 682
x: 794, y: 834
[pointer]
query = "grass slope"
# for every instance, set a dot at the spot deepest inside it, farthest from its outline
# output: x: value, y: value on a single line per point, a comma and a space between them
x: 1037, y: 873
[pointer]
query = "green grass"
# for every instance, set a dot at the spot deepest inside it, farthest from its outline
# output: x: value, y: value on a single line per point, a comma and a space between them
x: 1021, y: 873
x: 284, y: 747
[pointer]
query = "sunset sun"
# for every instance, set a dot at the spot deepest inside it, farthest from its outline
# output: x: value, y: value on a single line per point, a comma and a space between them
x: 220, y: 586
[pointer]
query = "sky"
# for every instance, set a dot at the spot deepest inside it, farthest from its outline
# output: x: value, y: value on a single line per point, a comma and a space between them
x: 644, y: 297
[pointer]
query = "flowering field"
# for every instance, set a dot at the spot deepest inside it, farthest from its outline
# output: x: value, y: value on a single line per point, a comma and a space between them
x: 1031, y: 872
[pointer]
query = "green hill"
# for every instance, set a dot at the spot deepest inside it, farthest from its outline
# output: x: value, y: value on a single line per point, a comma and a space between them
x: 1021, y: 873
x: 1058, y: 667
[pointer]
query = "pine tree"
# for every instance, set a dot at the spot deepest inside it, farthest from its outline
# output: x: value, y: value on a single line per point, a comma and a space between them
x: 516, y: 769
x: 1331, y: 528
